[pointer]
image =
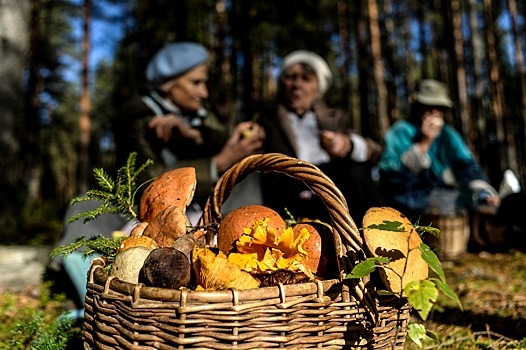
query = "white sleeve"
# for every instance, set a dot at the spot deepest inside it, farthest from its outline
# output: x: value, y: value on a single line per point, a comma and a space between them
x: 360, y: 150
x: 415, y: 160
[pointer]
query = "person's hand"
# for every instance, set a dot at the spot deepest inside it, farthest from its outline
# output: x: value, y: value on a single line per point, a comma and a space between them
x: 337, y: 144
x: 240, y: 145
x: 432, y: 124
x: 492, y: 200
x: 170, y: 125
x: 486, y: 201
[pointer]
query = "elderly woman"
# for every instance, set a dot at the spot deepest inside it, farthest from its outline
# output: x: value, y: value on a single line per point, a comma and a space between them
x: 301, y: 126
x: 169, y: 124
x: 425, y: 159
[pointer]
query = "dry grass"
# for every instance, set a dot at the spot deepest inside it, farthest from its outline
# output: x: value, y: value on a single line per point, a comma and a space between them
x: 492, y: 288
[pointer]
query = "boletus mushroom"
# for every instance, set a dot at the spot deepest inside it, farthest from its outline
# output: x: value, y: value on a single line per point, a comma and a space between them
x: 235, y: 222
x: 166, y: 267
x: 128, y: 263
x: 172, y: 188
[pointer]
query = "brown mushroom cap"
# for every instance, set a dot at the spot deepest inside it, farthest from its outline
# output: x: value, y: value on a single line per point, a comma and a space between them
x: 401, y: 247
x: 139, y: 229
x: 167, y: 226
x: 321, y: 259
x: 172, y: 188
x: 233, y: 224
x: 137, y: 241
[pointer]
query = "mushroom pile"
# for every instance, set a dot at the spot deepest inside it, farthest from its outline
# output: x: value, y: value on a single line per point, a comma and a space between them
x: 255, y: 247
x: 158, y: 250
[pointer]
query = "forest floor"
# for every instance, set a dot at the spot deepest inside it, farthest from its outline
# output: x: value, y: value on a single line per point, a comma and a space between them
x: 491, y: 287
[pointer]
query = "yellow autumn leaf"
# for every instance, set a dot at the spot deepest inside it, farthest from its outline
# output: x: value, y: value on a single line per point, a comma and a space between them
x: 247, y: 262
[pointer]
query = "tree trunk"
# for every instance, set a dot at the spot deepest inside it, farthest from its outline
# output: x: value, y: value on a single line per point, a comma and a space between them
x: 521, y: 73
x: 392, y: 63
x: 222, y: 79
x: 478, y: 115
x: 84, y: 120
x: 496, y: 91
x: 14, y: 44
x: 249, y: 87
x: 30, y: 149
x: 361, y: 32
x: 458, y: 44
x: 411, y: 77
x: 343, y: 31
x: 379, y: 71
x: 421, y: 19
x: 441, y: 53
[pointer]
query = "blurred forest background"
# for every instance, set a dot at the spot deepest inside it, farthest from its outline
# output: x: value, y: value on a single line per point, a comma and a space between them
x: 55, y: 128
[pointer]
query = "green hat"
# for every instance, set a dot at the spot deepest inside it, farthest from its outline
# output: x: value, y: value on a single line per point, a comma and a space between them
x: 433, y: 93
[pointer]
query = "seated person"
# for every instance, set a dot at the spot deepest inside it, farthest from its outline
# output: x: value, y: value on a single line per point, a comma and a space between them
x: 423, y: 155
x: 168, y: 123
x: 301, y: 126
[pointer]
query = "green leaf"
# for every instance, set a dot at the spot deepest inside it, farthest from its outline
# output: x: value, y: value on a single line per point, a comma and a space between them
x: 432, y: 336
x: 421, y: 295
x: 417, y: 333
x: 427, y: 229
x: 446, y: 289
x: 395, y: 226
x: 366, y: 267
x: 432, y: 260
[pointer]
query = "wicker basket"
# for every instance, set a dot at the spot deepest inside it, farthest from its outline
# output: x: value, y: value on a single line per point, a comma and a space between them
x: 452, y: 243
x: 330, y: 314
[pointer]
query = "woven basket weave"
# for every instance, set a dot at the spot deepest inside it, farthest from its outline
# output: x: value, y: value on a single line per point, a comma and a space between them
x: 452, y: 243
x: 331, y: 314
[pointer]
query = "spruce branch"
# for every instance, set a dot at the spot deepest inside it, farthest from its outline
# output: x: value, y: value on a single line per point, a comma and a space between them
x: 118, y: 197
x: 100, y: 245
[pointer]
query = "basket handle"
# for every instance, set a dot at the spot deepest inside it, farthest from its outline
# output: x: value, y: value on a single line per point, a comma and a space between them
x: 313, y: 177
x: 348, y: 242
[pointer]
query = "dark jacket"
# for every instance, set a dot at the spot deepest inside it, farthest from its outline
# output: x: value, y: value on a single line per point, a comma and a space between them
x: 280, y: 138
x: 133, y: 135
x: 352, y: 178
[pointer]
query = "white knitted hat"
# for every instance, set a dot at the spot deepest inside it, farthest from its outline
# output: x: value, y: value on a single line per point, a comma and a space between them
x: 320, y: 66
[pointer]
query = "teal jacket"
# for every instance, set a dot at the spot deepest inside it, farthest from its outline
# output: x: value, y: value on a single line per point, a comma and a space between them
x: 409, y: 191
